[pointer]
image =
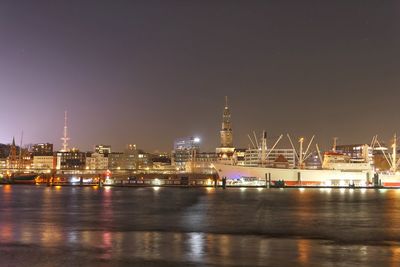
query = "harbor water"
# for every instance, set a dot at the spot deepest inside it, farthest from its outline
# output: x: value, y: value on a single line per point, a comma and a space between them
x: 156, y: 226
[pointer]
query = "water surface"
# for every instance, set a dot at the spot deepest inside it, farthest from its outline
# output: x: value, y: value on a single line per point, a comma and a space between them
x: 90, y: 226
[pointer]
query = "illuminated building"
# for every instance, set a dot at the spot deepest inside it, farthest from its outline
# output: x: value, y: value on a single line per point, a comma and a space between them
x: 131, y: 159
x: 226, y: 149
x: 43, y: 149
x: 18, y: 158
x: 115, y: 160
x: 44, y: 162
x: 97, y: 161
x: 103, y: 149
x: 43, y: 156
x: 185, y: 150
x: 3, y: 163
x: 71, y: 160
x: 12, y: 160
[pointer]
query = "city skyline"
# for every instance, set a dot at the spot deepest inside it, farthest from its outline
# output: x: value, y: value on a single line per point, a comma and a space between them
x: 148, y: 73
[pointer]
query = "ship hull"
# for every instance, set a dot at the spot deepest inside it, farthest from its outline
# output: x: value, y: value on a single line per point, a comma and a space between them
x: 24, y: 179
x: 300, y: 177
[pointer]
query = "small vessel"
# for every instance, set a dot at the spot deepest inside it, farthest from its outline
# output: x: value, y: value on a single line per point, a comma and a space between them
x: 23, y: 178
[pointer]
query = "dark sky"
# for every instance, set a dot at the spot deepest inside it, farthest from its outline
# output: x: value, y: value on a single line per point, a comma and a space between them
x: 146, y: 72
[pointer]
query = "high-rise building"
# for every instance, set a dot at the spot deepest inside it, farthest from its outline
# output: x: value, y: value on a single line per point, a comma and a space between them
x: 185, y: 150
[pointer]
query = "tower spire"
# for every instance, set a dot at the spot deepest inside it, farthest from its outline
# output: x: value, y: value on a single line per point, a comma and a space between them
x: 65, y: 137
x: 226, y: 130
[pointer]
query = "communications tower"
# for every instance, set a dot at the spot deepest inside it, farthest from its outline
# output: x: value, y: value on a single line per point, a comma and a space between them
x: 65, y: 137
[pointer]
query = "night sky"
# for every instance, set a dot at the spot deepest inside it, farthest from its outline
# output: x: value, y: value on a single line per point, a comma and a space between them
x: 147, y: 72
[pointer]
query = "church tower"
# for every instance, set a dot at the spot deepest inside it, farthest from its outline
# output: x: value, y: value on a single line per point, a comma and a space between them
x: 226, y: 131
x: 226, y: 149
x: 12, y: 161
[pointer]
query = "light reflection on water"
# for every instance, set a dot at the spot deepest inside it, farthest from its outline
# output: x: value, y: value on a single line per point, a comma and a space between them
x: 252, y: 227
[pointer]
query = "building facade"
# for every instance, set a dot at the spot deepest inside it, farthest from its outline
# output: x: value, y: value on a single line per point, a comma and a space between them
x: 97, y: 161
x: 71, y: 160
x: 131, y: 159
x: 44, y: 162
x: 185, y: 150
x: 42, y: 149
x: 103, y: 149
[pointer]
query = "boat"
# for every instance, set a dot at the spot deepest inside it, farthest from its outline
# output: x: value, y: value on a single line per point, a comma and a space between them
x: 337, y: 170
x: 23, y: 178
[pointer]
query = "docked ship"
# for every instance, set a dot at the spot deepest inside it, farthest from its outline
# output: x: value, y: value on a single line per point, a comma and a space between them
x: 265, y: 166
x: 23, y: 178
x: 277, y: 167
x: 337, y: 170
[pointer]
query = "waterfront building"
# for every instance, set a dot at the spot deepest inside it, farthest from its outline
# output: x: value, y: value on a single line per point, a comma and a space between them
x: 97, y: 161
x: 226, y: 150
x: 103, y: 149
x: 185, y: 150
x: 3, y: 163
x: 18, y: 158
x: 12, y: 159
x: 71, y: 160
x: 161, y: 158
x: 115, y: 160
x: 202, y: 163
x: 131, y: 159
x: 4, y: 150
x: 44, y: 162
x: 42, y: 149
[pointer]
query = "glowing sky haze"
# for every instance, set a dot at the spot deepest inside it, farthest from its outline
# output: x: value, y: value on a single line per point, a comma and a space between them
x: 147, y: 72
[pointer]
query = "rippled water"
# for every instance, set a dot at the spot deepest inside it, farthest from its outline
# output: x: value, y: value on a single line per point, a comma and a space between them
x: 41, y: 226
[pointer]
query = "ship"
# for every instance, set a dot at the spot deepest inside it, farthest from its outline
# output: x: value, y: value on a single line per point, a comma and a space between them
x: 337, y: 169
x: 23, y: 178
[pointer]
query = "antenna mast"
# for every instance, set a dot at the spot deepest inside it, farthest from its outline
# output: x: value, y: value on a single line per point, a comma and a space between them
x: 263, y: 148
x: 20, y: 162
x: 394, y: 154
x: 334, y: 144
x: 65, y: 137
